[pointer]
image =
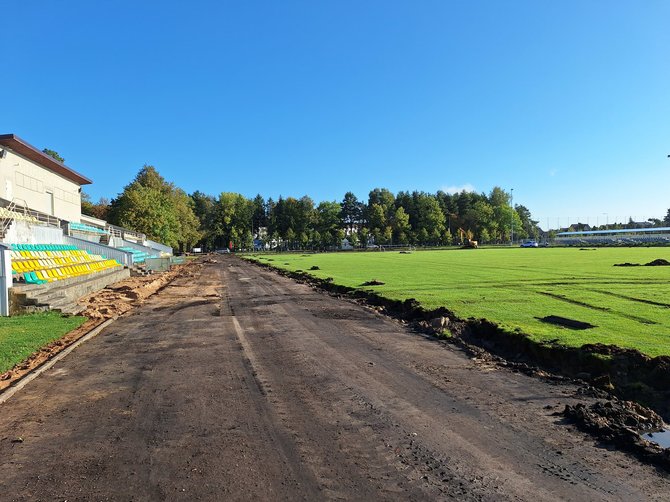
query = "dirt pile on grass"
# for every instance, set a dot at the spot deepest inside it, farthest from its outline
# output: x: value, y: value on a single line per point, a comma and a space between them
x: 621, y: 423
x: 373, y: 282
x: 659, y: 262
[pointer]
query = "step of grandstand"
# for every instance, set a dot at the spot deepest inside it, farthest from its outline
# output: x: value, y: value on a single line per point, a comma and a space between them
x: 58, y: 302
x: 47, y: 297
x: 45, y: 263
x: 138, y: 271
x: 55, y: 276
x: 62, y: 295
x: 138, y: 256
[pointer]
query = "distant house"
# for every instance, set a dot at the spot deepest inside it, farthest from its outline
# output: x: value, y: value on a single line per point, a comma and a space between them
x: 34, y: 179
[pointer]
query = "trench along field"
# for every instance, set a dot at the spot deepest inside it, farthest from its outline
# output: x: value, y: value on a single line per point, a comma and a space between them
x: 517, y: 288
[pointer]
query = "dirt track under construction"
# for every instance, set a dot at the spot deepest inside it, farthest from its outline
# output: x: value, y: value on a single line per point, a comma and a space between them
x: 235, y: 383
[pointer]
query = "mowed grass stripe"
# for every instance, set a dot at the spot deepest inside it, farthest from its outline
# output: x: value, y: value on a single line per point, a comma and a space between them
x: 515, y: 287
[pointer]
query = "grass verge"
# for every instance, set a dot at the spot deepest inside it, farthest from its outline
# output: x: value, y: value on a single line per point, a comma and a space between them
x: 22, y: 335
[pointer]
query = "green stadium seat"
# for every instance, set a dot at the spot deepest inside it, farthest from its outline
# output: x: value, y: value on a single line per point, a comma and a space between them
x: 31, y: 278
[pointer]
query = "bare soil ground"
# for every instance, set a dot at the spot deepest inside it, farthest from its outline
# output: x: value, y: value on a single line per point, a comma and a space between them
x: 238, y: 384
x: 112, y: 301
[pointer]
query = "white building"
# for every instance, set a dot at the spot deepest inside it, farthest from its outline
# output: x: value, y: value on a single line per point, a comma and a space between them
x: 33, y: 179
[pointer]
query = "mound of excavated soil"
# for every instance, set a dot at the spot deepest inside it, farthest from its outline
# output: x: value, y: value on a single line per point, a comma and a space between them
x: 122, y: 296
x: 373, y: 282
x: 621, y: 423
x: 660, y: 262
x: 113, y: 301
x: 609, y: 417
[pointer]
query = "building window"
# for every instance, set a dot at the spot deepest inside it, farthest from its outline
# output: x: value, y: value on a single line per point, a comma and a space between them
x: 28, y: 182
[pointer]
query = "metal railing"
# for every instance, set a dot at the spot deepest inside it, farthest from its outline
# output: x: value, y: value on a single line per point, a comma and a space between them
x: 29, y: 215
x: 158, y: 246
x: 121, y: 232
x: 138, y: 247
x: 123, y: 257
x: 43, y: 218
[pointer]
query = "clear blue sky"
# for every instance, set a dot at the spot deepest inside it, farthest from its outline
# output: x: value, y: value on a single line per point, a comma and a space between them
x: 566, y: 102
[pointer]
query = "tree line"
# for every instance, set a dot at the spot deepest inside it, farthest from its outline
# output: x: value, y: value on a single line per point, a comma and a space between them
x: 164, y: 212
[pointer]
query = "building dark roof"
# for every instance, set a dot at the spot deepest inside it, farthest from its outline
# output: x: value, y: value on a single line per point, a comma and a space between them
x: 24, y: 148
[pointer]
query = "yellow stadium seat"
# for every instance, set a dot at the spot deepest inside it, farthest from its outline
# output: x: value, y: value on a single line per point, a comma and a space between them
x: 42, y: 276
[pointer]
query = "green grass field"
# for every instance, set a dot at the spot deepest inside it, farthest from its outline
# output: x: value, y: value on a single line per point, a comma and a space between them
x: 630, y: 306
x: 22, y: 335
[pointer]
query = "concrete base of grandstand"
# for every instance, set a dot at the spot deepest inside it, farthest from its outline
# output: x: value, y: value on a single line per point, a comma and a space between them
x: 138, y: 271
x: 62, y: 295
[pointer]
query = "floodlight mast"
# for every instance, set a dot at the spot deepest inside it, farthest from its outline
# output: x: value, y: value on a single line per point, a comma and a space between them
x: 511, y: 240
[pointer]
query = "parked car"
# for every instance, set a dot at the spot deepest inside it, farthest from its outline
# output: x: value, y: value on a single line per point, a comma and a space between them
x: 530, y: 244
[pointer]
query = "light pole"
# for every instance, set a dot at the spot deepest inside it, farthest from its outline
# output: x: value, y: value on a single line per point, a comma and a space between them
x: 511, y: 240
x: 607, y: 221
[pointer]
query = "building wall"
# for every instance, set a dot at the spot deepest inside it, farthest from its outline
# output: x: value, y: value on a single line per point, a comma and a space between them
x: 21, y: 232
x: 23, y: 180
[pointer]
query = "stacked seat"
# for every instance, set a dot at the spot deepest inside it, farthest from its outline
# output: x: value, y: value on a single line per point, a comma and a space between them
x: 138, y: 256
x: 89, y: 229
x: 42, y: 263
x: 8, y: 214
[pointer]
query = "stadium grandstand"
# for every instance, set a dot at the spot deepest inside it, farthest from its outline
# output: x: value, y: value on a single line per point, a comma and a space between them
x: 615, y: 237
x: 48, y: 248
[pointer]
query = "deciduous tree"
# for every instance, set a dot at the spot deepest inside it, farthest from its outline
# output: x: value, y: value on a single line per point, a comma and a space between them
x: 53, y: 154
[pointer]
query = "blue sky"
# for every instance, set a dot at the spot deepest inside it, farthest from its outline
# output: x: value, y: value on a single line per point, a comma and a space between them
x: 566, y: 102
